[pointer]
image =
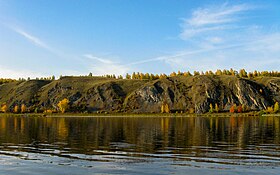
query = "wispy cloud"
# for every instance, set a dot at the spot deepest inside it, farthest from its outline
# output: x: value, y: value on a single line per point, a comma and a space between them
x: 35, y: 40
x: 217, y: 14
x: 212, y: 18
x: 102, y: 60
x: 102, y: 66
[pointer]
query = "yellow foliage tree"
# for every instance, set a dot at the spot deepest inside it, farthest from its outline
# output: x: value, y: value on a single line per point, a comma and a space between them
x: 4, y: 108
x: 276, y: 107
x: 269, y: 110
x: 211, y: 108
x: 166, y: 107
x: 162, y: 108
x: 216, y: 108
x: 16, y: 109
x: 63, y: 105
x: 23, y: 108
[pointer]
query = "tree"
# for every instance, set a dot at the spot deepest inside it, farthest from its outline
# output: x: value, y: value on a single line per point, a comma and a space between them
x: 23, y: 108
x: 232, y: 109
x: 63, y: 105
x: 239, y: 109
x: 173, y: 74
x: 133, y: 76
x: 127, y: 76
x: 211, y: 108
x: 166, y: 108
x: 16, y: 109
x: 269, y: 110
x: 216, y: 108
x: 276, y: 107
x: 162, y: 108
x: 242, y: 73
x: 120, y: 77
x: 90, y: 74
x: 4, y: 108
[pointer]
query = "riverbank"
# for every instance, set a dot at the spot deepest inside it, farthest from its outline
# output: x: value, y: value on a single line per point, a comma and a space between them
x: 140, y: 115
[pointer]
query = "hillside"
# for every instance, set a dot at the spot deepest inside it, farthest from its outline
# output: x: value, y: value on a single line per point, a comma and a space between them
x: 181, y: 93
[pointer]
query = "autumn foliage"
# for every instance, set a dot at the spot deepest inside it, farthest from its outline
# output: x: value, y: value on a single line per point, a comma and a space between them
x: 4, y: 108
x: 63, y: 105
x: 232, y: 109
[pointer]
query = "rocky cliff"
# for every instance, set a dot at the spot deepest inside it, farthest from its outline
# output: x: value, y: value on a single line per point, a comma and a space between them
x: 193, y: 93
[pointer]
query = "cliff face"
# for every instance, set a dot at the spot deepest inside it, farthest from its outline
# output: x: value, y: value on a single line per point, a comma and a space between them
x: 181, y: 93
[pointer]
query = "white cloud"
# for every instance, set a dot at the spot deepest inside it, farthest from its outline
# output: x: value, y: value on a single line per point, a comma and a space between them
x: 216, y: 15
x: 36, y: 41
x: 102, y: 60
x: 104, y: 66
x: 215, y: 18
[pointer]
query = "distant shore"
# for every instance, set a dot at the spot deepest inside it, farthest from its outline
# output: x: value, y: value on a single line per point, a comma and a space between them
x: 140, y: 115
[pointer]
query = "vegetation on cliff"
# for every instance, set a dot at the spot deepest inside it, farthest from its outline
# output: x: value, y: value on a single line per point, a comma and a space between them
x: 222, y: 91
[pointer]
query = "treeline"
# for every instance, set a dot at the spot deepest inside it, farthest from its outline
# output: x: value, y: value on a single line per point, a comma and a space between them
x: 242, y: 73
x: 216, y: 109
x: 6, y: 80
x: 62, y: 106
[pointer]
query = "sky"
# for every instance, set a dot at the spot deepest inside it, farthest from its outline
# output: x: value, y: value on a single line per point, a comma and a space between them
x: 40, y: 38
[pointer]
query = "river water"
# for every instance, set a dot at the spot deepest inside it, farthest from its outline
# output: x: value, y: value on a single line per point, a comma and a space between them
x: 139, y: 145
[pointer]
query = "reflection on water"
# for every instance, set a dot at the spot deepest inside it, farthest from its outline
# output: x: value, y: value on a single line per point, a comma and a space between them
x: 124, y: 145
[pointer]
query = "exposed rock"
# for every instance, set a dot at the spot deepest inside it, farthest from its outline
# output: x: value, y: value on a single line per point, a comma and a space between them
x: 181, y: 93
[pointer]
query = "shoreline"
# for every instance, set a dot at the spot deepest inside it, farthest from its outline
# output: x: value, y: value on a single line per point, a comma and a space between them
x: 73, y: 115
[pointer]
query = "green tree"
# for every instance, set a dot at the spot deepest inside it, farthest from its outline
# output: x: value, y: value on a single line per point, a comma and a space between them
x: 127, y: 76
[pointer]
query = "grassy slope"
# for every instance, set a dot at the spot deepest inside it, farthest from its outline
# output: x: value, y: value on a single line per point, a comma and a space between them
x: 89, y: 90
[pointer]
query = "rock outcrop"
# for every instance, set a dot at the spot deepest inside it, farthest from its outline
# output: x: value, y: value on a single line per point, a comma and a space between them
x: 186, y: 94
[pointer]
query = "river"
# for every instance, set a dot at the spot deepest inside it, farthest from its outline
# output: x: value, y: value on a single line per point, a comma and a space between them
x: 139, y: 145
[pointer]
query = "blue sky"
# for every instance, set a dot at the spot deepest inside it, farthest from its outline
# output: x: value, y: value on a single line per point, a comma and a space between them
x: 69, y: 37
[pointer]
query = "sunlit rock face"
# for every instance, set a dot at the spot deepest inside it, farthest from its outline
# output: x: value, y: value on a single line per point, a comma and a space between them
x: 180, y: 93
